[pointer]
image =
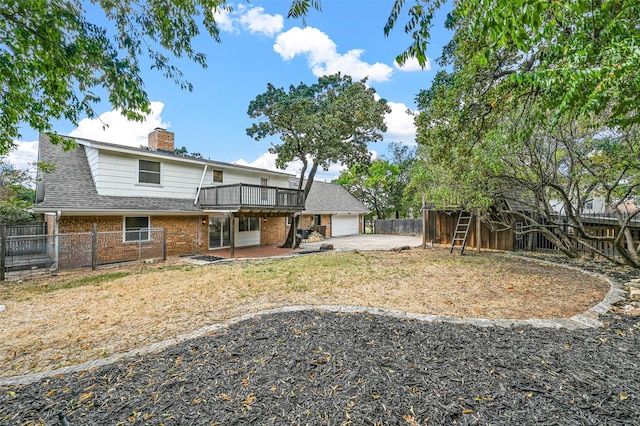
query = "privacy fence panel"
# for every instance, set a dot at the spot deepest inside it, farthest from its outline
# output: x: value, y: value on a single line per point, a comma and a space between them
x: 398, y: 226
x: 26, y: 239
x: 23, y: 247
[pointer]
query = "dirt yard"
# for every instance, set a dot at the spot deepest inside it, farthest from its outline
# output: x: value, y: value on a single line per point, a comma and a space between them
x: 72, y: 318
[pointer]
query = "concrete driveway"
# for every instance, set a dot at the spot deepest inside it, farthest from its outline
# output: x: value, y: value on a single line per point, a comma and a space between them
x: 366, y: 242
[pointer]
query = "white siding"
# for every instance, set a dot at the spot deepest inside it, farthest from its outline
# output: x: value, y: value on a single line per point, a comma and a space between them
x: 247, y: 238
x: 250, y: 177
x: 92, y: 159
x: 117, y: 174
x: 597, y: 206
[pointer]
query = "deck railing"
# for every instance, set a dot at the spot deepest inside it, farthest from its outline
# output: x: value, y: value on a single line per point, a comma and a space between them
x: 251, y: 196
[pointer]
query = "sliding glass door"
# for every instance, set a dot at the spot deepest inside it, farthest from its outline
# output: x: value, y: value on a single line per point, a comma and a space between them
x: 219, y: 232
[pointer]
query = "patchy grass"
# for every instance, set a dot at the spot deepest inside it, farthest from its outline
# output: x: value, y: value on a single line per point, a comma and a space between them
x: 45, y: 287
x: 78, y: 318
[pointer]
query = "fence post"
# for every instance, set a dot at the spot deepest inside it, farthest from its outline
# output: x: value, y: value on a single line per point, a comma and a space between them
x: 3, y: 251
x: 478, y: 233
x: 164, y: 245
x: 424, y: 227
x: 94, y: 246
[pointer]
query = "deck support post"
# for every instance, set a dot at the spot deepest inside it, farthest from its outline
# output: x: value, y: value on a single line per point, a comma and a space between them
x: 232, y: 235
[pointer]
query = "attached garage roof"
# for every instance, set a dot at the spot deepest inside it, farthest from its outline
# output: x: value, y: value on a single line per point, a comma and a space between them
x: 329, y: 198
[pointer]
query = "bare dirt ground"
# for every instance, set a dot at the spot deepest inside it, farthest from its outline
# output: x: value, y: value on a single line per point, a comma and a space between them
x: 72, y: 318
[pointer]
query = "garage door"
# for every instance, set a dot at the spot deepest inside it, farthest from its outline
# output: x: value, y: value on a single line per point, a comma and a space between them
x: 344, y: 225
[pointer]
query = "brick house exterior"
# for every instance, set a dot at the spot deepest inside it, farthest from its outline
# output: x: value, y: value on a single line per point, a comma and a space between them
x: 201, y: 204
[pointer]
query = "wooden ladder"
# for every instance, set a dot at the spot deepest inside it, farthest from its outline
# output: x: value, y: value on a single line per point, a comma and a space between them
x: 462, y: 230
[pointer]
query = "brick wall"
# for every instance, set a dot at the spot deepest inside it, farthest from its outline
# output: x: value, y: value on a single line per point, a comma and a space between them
x: 161, y: 139
x: 306, y: 221
x: 274, y: 230
x: 183, y: 234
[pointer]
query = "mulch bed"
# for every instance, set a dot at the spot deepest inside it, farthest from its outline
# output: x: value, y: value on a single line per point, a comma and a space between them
x: 208, y: 258
x: 325, y: 368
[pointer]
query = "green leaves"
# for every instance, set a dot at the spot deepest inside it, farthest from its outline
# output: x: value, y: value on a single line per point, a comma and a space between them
x: 54, y: 62
x: 573, y: 58
x: 380, y: 185
x: 16, y: 194
x: 328, y: 122
x: 301, y: 8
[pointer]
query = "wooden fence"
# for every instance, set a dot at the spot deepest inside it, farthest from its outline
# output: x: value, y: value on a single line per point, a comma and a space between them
x: 440, y: 228
x: 398, y: 226
x: 25, y: 239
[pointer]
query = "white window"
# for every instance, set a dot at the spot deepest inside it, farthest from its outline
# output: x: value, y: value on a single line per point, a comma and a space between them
x: 149, y: 172
x: 264, y: 193
x: 588, y: 205
x: 136, y: 228
x: 246, y: 224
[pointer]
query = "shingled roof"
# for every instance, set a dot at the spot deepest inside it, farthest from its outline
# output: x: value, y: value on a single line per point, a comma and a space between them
x: 70, y: 187
x: 331, y: 198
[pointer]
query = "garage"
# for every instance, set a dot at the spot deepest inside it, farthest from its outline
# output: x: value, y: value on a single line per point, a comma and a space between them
x: 344, y: 224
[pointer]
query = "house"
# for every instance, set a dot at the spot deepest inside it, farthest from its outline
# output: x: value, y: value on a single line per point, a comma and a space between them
x: 201, y: 204
x: 333, y: 211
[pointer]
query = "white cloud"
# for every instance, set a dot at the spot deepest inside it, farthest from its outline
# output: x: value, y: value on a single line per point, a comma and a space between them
x: 268, y: 161
x: 224, y: 20
x: 252, y: 19
x: 120, y: 131
x: 24, y: 155
x: 323, y: 57
x: 400, y: 125
x: 256, y: 21
x: 412, y: 64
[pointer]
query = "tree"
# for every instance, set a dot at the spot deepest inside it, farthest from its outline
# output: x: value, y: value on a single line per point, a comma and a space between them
x: 54, y: 61
x: 574, y: 57
x: 16, y: 195
x: 539, y: 107
x: 372, y: 184
x: 525, y: 156
x: 184, y: 152
x: 325, y: 123
x: 380, y: 185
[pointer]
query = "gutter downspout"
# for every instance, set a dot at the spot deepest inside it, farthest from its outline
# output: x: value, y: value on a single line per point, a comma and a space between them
x: 195, y: 201
x: 56, y: 262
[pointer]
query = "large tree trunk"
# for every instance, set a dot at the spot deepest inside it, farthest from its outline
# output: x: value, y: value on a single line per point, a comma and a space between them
x: 289, y: 241
x: 296, y: 219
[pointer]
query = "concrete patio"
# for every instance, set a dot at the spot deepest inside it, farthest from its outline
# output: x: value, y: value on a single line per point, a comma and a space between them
x: 363, y: 242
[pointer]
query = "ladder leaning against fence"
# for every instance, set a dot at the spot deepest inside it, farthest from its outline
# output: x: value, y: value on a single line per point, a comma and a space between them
x: 462, y: 231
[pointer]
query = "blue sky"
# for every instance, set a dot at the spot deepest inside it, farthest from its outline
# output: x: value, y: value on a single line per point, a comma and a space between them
x: 260, y: 46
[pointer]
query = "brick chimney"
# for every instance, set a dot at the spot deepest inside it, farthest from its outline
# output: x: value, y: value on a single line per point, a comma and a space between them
x: 161, y: 140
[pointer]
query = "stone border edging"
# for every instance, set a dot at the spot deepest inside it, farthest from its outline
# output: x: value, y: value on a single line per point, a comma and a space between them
x: 588, y: 319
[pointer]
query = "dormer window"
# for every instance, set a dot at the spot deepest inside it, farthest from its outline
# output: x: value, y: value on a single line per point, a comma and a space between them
x: 149, y: 172
x: 218, y: 176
